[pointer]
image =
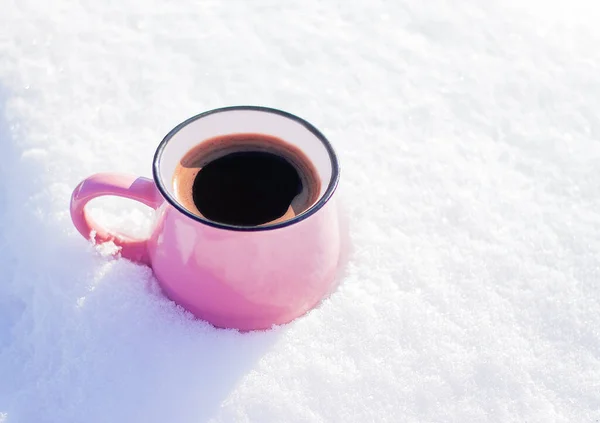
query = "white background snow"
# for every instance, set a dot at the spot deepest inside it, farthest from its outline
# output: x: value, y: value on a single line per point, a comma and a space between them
x: 469, y: 136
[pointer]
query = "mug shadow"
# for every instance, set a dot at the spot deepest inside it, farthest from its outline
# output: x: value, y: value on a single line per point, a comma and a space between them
x: 85, y: 337
x: 124, y: 352
x: 159, y: 363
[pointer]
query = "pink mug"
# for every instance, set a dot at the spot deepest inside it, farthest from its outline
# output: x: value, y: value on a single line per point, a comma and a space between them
x: 231, y: 276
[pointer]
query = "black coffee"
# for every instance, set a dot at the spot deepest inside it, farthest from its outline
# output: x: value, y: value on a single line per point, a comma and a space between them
x: 246, y: 180
x: 247, y: 188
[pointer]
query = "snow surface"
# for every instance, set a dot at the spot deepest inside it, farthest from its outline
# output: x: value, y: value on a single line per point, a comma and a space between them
x: 469, y: 136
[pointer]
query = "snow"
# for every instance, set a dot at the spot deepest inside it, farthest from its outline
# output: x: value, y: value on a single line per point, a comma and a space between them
x: 468, y: 133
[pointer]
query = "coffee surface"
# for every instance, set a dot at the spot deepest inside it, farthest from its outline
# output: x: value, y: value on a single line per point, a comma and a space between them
x: 246, y: 180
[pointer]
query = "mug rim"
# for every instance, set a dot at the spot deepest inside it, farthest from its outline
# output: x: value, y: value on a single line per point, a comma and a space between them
x: 333, y: 182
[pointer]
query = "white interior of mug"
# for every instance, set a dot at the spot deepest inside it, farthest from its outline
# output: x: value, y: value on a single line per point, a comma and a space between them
x: 242, y: 120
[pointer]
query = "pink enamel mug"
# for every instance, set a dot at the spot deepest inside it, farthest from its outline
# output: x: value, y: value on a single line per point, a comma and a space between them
x: 242, y: 277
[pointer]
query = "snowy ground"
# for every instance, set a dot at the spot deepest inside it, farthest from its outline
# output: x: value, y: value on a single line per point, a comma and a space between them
x: 469, y: 136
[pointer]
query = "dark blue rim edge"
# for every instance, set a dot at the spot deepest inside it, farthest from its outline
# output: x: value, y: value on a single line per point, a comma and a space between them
x: 333, y: 182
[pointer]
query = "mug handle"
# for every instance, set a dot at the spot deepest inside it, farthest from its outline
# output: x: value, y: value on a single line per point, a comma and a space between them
x: 136, y: 188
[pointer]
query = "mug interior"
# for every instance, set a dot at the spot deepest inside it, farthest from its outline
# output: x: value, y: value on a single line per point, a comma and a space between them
x: 246, y: 119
